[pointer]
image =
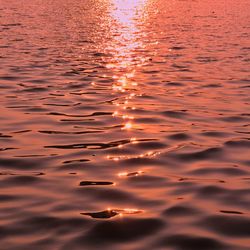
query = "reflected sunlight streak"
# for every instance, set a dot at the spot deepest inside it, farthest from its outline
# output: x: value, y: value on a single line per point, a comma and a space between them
x: 126, y: 10
x: 126, y: 15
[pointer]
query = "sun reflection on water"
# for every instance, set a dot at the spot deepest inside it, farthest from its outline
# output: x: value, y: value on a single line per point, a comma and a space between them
x: 126, y: 59
x: 126, y: 13
x: 126, y: 16
x: 125, y: 46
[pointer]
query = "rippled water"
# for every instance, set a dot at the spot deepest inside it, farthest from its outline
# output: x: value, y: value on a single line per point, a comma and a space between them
x: 124, y: 124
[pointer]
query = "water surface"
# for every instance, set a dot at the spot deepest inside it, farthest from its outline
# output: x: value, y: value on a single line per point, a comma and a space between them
x: 124, y: 124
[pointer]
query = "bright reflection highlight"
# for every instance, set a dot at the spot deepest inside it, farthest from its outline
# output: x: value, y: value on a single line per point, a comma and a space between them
x: 126, y: 10
x: 132, y: 174
x: 149, y: 154
x: 125, y: 46
x: 128, y: 125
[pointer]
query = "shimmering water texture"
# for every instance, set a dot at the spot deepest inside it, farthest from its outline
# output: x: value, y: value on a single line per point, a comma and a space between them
x: 124, y: 125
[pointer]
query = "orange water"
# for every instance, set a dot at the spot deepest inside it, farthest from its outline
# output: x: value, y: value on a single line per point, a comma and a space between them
x: 124, y: 124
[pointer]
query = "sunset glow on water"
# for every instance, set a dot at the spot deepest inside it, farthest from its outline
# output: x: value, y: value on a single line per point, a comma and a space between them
x: 124, y: 125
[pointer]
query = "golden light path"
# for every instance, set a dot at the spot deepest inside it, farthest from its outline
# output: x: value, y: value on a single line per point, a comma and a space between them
x: 128, y: 16
x: 126, y: 41
x: 125, y: 47
x: 127, y: 59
